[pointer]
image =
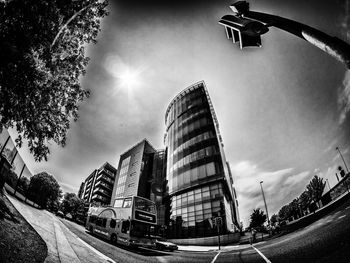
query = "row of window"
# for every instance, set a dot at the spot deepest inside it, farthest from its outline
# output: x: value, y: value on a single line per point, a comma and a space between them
x: 183, y: 103
x: 191, y: 127
x: 198, y: 212
x: 189, y: 115
x: 200, y: 194
x: 195, y: 156
x: 189, y: 177
x: 199, y: 138
x: 122, y: 176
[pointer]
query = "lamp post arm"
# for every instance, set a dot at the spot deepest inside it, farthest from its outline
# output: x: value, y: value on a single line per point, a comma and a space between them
x: 333, y: 46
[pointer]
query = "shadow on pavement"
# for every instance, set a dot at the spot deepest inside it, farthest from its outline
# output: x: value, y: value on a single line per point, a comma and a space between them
x: 137, y: 250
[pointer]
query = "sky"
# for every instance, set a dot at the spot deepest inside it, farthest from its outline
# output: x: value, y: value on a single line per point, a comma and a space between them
x: 282, y: 108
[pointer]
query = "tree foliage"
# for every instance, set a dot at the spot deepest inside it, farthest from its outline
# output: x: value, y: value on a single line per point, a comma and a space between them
x: 257, y: 218
x: 274, y: 219
x: 42, y: 57
x: 315, y: 188
x: 44, y: 189
x: 71, y: 204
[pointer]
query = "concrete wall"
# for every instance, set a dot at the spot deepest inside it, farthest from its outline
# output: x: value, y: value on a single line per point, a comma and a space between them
x: 209, y: 241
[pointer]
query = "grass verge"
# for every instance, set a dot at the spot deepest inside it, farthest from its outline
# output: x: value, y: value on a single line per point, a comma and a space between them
x: 19, y: 242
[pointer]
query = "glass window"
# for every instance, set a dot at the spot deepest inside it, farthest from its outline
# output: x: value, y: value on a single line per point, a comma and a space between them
x: 214, y: 193
x: 210, y: 167
x: 178, y: 202
x: 197, y: 197
x: 198, y: 190
x: 199, y: 218
x: 202, y: 172
x: 206, y: 205
x: 194, y: 174
x: 215, y: 204
x: 199, y: 207
x: 191, y: 208
x: 113, y: 223
x: 206, y: 194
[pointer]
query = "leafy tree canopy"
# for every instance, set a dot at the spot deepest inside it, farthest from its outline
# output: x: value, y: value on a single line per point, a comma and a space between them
x: 71, y: 204
x: 315, y: 188
x: 257, y: 218
x: 42, y: 57
x: 44, y: 189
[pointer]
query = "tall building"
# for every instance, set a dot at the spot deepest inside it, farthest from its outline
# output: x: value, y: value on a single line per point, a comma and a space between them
x: 134, y: 172
x: 98, y: 185
x: 199, y: 183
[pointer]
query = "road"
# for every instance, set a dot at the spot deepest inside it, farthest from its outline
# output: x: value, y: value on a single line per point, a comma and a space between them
x: 326, y: 240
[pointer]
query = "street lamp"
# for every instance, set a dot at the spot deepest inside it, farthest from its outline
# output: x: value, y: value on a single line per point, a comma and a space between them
x: 337, y: 148
x: 267, y: 214
x: 246, y: 27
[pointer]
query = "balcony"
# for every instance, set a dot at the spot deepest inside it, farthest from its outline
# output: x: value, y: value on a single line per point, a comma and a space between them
x: 104, y: 185
x: 97, y: 197
x: 105, y: 178
x: 102, y: 191
x: 108, y: 173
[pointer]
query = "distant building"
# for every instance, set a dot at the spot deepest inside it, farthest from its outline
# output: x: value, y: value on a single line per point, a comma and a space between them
x: 97, y: 188
x: 199, y: 181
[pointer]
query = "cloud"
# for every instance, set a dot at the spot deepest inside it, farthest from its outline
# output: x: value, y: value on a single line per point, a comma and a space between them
x: 68, y: 188
x: 344, y: 98
x: 280, y: 187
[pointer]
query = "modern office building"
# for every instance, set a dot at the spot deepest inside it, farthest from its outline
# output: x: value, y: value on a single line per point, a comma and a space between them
x: 199, y: 183
x: 134, y: 172
x: 97, y: 188
x: 141, y: 172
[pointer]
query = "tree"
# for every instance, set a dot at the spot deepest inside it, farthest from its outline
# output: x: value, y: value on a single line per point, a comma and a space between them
x: 257, y: 218
x: 42, y: 57
x: 274, y: 219
x: 284, y: 213
x: 304, y: 200
x: 44, y: 189
x: 23, y: 184
x: 71, y: 204
x: 315, y: 188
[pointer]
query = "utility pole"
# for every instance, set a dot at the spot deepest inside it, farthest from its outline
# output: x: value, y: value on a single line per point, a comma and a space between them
x: 267, y: 213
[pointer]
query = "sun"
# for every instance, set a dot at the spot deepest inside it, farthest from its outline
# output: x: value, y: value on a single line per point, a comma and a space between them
x: 129, y: 78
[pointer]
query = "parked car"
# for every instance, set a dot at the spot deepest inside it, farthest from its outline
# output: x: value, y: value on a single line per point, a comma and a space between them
x: 163, y: 244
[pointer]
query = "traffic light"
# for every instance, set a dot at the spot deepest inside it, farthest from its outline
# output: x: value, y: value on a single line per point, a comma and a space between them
x: 243, y: 30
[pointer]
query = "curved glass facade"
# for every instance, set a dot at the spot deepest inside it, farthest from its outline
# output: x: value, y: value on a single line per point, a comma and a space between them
x: 199, y: 185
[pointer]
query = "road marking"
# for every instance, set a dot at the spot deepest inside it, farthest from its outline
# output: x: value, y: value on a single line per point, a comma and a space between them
x: 215, y: 257
x: 347, y: 207
x: 262, y: 255
x: 341, y: 216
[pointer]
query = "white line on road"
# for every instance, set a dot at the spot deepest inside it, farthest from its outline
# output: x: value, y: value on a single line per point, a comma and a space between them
x: 347, y: 207
x: 341, y: 216
x: 262, y: 255
x: 215, y: 257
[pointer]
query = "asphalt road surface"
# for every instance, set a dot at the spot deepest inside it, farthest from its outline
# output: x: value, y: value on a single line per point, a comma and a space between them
x: 326, y: 240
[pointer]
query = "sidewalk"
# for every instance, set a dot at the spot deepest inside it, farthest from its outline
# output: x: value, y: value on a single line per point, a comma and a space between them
x: 63, y: 246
